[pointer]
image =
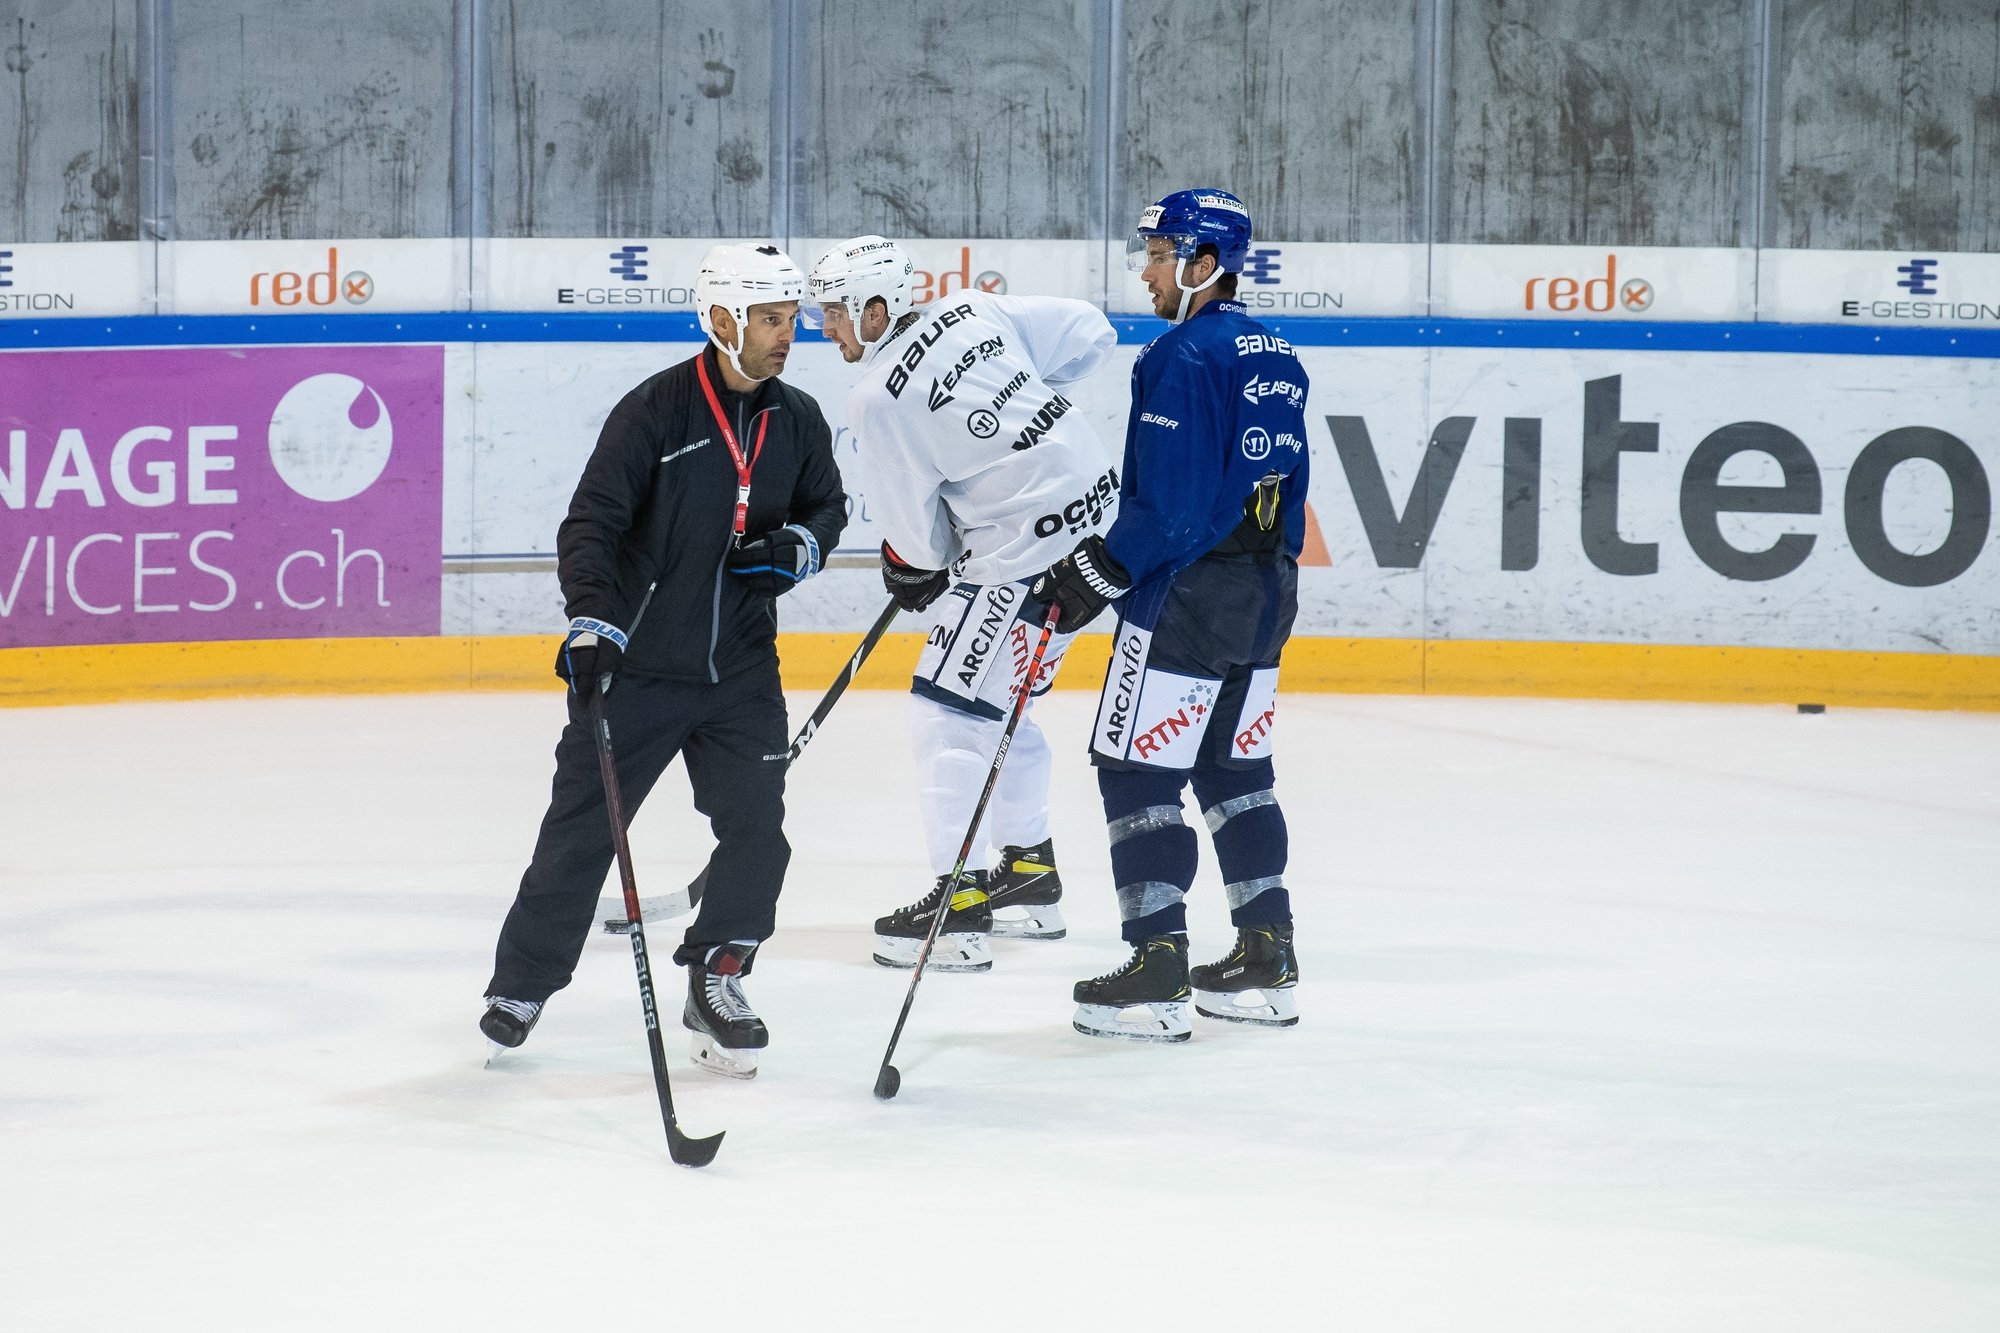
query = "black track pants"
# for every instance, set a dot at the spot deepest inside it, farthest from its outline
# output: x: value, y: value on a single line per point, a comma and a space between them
x: 723, y: 731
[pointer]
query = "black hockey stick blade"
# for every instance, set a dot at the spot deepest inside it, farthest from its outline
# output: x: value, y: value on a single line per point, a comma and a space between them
x: 888, y: 1083
x: 692, y: 1152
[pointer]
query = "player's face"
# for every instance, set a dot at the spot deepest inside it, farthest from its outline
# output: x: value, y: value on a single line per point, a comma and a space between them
x: 839, y: 329
x: 1158, y: 275
x: 767, y: 338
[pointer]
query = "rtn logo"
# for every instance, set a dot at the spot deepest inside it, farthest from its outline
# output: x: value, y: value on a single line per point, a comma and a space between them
x: 6, y: 268
x: 1262, y: 264
x: 1921, y: 278
x: 628, y: 264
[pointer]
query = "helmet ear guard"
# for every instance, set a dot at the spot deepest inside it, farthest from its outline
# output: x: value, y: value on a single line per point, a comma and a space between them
x: 737, y: 277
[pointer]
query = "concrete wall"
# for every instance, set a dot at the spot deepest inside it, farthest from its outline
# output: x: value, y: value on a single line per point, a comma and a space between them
x: 1794, y: 123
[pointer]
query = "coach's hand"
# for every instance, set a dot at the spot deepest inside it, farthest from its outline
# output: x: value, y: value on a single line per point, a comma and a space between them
x: 778, y: 561
x: 1081, y: 584
x: 591, y: 654
x: 913, y: 588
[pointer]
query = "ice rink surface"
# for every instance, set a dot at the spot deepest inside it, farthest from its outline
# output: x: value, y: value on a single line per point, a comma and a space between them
x: 1615, y: 1017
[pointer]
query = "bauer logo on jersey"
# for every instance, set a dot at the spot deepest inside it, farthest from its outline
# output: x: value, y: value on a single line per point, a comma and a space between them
x: 1155, y: 419
x: 920, y: 343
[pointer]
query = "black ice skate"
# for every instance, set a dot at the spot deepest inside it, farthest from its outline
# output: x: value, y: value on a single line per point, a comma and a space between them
x: 1024, y: 890
x: 1254, y: 983
x: 1145, y: 1000
x: 727, y: 1034
x: 961, y: 943
x: 507, y: 1023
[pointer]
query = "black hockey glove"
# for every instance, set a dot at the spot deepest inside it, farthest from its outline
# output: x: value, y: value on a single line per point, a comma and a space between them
x: 591, y: 654
x: 1082, y: 583
x: 778, y: 561
x: 913, y: 588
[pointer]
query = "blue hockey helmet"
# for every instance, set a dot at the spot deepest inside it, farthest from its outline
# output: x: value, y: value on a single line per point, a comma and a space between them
x: 1192, y: 219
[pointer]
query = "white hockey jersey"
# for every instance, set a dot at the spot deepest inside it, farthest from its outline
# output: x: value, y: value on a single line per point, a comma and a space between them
x: 971, y: 457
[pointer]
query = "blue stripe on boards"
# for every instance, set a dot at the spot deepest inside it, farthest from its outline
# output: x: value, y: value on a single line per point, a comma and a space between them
x: 680, y: 327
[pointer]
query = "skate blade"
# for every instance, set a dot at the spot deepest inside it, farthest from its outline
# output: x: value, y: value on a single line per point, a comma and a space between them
x: 1042, y: 921
x: 1165, y: 1021
x: 1275, y: 1008
x: 727, y: 1061
x: 951, y: 953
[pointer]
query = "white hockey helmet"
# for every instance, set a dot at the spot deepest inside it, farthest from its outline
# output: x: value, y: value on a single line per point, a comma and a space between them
x: 858, y: 271
x: 737, y: 277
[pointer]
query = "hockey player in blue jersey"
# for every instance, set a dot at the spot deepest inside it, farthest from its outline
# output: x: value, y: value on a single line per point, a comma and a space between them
x: 1202, y: 561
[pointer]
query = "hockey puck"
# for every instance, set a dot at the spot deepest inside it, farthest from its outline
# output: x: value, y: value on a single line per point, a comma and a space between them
x: 1812, y: 708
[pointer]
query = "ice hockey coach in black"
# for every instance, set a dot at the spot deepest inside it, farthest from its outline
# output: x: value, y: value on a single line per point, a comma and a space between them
x: 712, y: 490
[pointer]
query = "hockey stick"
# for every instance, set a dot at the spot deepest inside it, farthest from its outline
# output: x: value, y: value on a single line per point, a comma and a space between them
x: 839, y: 686
x: 888, y: 1082
x: 684, y: 1150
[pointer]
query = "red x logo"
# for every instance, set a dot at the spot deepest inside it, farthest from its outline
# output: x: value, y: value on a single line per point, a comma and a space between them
x: 357, y: 287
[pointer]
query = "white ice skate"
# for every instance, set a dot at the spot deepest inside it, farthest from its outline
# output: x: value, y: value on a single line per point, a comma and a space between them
x: 955, y: 951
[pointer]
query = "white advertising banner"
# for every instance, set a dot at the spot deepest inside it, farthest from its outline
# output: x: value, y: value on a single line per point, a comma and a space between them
x: 1028, y: 268
x: 642, y: 273
x: 313, y: 277
x: 1282, y: 278
x: 1893, y: 287
x: 1763, y: 500
x: 1573, y: 282
x: 81, y: 278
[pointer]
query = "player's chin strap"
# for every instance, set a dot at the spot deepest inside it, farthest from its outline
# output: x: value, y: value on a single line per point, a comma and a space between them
x: 1187, y: 292
x: 732, y: 353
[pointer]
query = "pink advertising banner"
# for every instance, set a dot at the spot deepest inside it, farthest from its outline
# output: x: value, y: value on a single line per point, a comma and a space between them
x: 185, y: 494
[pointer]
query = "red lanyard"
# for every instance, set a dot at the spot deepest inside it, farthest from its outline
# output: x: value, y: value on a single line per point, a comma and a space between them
x: 743, y: 468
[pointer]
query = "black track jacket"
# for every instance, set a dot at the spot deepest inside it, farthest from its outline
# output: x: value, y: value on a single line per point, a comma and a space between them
x: 651, y: 524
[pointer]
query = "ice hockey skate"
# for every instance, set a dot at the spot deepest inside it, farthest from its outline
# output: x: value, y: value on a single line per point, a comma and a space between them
x: 1254, y: 983
x: 726, y: 1033
x: 961, y: 943
x: 1023, y: 892
x: 507, y: 1023
x: 1145, y: 1000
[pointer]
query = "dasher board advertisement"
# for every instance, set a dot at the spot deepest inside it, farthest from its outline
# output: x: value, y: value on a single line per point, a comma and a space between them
x: 1575, y: 282
x: 1282, y: 279
x: 313, y: 277
x: 189, y: 494
x: 57, y: 280
x: 1895, y: 287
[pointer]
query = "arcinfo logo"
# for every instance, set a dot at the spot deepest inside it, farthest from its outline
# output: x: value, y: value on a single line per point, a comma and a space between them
x: 1399, y: 540
x: 190, y: 494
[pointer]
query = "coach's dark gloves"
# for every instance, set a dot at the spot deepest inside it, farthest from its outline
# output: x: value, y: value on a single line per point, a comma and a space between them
x: 591, y: 654
x: 1081, y: 584
x: 778, y: 561
x: 913, y: 588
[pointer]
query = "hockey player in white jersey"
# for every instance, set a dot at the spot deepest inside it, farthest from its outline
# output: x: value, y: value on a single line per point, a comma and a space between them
x: 980, y: 474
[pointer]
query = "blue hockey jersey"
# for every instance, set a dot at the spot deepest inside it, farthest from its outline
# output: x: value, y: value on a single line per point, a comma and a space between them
x: 1218, y: 404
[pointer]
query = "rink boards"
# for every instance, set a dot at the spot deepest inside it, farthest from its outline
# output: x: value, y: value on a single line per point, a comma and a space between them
x: 1507, y: 508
